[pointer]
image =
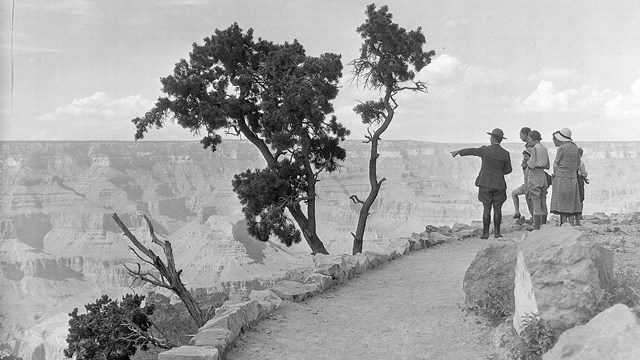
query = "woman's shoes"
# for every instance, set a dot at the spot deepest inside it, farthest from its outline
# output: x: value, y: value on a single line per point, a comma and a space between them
x: 517, y: 216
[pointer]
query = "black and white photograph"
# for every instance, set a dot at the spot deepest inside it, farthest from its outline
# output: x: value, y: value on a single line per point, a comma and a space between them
x: 329, y: 179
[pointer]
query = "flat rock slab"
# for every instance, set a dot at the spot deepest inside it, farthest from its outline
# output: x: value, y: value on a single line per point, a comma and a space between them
x: 293, y: 290
x: 190, y: 353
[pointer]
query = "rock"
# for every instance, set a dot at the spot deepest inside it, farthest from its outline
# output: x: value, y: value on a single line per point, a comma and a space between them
x: 430, y: 228
x: 492, y: 269
x: 359, y: 262
x: 293, y: 290
x: 613, y: 334
x: 375, y: 258
x: 560, y: 274
x: 250, y: 308
x: 322, y: 282
x: 190, y: 353
x: 390, y: 253
x: 460, y: 227
x: 402, y: 246
x: 445, y: 230
x: 438, y: 238
x: 220, y: 338
x: 267, y: 301
x: 330, y: 265
x: 464, y: 234
x: 234, y: 319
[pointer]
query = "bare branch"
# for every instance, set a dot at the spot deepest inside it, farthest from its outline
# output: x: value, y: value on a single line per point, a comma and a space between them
x: 355, y: 199
x: 140, y: 257
x: 168, y: 278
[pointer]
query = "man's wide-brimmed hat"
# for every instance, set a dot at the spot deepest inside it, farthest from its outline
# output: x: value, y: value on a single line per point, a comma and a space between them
x: 563, y: 135
x: 497, y: 133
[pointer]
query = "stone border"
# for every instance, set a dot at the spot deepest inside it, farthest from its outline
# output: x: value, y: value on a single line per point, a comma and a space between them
x: 219, y: 334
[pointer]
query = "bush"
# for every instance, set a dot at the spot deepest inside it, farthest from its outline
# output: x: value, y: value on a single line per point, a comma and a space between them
x: 535, y: 339
x: 497, y: 303
x: 109, y: 330
x: 5, y: 354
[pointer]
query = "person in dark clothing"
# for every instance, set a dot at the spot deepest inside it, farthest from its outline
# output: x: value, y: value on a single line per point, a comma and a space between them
x: 492, y: 188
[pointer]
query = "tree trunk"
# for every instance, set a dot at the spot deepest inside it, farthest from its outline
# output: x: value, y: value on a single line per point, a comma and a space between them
x: 374, y: 184
x: 317, y: 247
x: 192, y: 306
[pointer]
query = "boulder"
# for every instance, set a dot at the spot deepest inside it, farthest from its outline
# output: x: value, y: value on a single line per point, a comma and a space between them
x: 267, y: 301
x: 190, y: 353
x: 460, y: 227
x: 560, y: 274
x: 376, y: 258
x: 220, y: 338
x: 359, y: 262
x: 293, y: 290
x: 331, y: 265
x: 322, y: 282
x: 613, y: 334
x: 491, y: 270
x: 401, y: 245
x: 233, y: 319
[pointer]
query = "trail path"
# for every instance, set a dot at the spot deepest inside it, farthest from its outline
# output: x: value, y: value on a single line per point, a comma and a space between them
x: 409, y: 308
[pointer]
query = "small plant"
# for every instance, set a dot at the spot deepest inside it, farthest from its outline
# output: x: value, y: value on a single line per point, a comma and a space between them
x: 5, y: 354
x: 536, y: 338
x: 497, y: 303
x: 627, y: 286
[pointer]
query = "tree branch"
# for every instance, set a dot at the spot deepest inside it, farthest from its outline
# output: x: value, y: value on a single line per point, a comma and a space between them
x: 355, y: 199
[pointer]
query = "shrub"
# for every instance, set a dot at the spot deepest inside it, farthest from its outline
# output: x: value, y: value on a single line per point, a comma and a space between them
x: 535, y: 339
x: 497, y: 303
x: 109, y: 330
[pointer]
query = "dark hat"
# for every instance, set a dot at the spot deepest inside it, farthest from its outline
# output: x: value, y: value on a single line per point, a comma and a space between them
x: 497, y: 133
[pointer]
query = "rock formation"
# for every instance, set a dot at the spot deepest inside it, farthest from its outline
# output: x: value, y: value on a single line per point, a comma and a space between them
x: 560, y: 274
x: 613, y: 334
x: 60, y: 249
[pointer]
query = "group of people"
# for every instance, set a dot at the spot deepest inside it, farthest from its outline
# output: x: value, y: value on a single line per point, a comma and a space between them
x: 567, y: 181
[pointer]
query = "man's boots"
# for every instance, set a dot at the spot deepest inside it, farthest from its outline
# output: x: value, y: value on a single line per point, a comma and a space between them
x: 486, y: 222
x: 537, y: 220
x: 497, y: 219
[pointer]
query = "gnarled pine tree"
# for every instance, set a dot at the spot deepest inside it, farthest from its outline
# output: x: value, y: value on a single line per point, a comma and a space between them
x: 389, y: 59
x: 280, y: 100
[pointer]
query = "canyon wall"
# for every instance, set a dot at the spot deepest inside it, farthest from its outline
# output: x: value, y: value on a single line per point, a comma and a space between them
x: 60, y: 248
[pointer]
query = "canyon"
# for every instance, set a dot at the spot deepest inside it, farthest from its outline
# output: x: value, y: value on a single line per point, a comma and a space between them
x: 60, y: 248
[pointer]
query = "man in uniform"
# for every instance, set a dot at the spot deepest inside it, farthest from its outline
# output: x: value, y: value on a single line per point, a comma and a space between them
x: 492, y: 188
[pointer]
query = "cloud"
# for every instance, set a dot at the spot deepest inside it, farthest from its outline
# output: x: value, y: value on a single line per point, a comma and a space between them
x: 444, y: 66
x: 99, y: 107
x: 448, y: 75
x: 587, y: 100
x: 624, y: 107
x: 94, y: 117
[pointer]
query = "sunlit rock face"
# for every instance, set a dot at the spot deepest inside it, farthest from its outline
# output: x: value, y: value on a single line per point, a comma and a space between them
x: 60, y: 248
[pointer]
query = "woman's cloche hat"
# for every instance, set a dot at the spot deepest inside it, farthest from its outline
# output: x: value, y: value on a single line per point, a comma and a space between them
x: 563, y: 135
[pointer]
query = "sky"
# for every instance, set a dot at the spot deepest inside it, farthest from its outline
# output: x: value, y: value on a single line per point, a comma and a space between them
x: 82, y: 69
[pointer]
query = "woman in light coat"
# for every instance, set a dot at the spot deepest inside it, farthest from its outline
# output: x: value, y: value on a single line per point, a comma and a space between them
x: 565, y: 195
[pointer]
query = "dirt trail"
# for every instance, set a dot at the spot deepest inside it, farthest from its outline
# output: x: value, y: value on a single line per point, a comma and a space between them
x: 409, y: 308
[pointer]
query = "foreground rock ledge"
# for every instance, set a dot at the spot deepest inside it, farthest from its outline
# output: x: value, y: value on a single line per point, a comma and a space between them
x: 613, y: 334
x: 560, y: 274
